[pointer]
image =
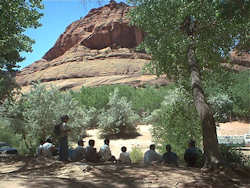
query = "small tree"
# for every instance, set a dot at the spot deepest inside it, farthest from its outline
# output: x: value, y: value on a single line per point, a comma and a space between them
x: 16, y: 16
x: 119, y: 118
x: 176, y: 122
x: 35, y: 114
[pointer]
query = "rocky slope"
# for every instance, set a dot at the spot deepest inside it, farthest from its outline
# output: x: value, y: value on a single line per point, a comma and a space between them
x: 96, y: 50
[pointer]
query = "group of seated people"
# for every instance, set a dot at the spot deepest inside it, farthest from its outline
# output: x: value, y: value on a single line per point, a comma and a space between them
x: 192, y: 156
x: 90, y: 153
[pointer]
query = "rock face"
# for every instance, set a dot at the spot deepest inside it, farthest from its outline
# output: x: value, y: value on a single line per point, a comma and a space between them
x: 99, y: 50
x: 95, y: 50
x: 103, y: 27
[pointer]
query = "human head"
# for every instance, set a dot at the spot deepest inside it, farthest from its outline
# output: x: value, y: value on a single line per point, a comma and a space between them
x: 49, y: 140
x: 168, y: 147
x: 91, y: 143
x: 80, y: 143
x: 106, y: 141
x: 124, y: 149
x: 65, y: 118
x: 191, y: 143
x: 152, y: 147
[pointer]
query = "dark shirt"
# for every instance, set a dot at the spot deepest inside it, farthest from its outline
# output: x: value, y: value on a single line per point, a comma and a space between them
x: 192, y: 156
x: 91, y: 154
x: 170, y: 158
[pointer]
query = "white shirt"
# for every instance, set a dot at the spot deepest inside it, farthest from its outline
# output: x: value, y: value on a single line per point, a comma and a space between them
x: 40, y: 150
x: 105, y: 152
x: 47, y: 149
x: 151, y: 156
x: 125, y: 158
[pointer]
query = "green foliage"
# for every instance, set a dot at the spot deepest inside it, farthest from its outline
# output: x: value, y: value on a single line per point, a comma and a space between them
x: 240, y: 95
x: 119, y: 118
x: 222, y: 107
x: 232, y: 156
x: 35, y: 114
x: 136, y: 155
x: 231, y: 91
x: 214, y: 31
x: 176, y: 122
x: 16, y: 16
x: 143, y: 99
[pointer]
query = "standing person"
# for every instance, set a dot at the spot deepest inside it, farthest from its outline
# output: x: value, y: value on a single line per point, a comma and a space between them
x: 63, y: 138
x: 151, y: 155
x: 170, y: 157
x: 105, y: 152
x: 124, y: 156
x: 192, y: 155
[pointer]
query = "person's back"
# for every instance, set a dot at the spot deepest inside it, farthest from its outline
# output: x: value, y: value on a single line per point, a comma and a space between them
x: 170, y: 157
x: 79, y: 152
x: 151, y: 155
x: 192, y: 155
x: 48, y: 148
x: 90, y: 152
x: 124, y: 156
x: 105, y: 152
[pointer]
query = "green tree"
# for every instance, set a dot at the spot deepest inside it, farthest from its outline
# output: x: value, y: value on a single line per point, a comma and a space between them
x: 187, y: 38
x: 16, y: 16
x: 35, y: 114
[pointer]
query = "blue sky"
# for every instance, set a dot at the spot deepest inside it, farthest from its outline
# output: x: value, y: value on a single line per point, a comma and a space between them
x: 58, y: 14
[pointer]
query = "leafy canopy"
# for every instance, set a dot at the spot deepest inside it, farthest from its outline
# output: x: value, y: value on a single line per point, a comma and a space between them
x: 16, y: 16
x: 218, y: 25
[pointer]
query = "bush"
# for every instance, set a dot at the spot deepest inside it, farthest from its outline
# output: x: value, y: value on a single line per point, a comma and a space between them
x: 144, y: 100
x: 119, y: 118
x: 240, y: 95
x: 222, y: 107
x: 176, y: 122
x: 136, y: 155
x: 232, y: 156
x: 35, y: 114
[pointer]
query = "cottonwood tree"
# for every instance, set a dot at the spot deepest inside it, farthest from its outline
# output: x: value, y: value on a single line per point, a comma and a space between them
x: 16, y: 16
x: 186, y: 38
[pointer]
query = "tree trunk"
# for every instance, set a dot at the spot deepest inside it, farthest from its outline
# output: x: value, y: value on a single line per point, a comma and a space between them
x: 210, y: 142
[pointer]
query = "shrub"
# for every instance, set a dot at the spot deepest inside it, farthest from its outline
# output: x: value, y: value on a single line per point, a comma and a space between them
x: 240, y: 95
x: 232, y: 156
x: 136, y: 155
x: 35, y: 114
x: 119, y: 118
x: 176, y: 122
x: 222, y: 107
x: 144, y: 100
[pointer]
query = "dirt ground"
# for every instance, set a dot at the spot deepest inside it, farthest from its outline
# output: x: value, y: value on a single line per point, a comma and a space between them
x: 47, y: 173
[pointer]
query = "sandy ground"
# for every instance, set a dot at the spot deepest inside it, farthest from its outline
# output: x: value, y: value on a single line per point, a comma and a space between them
x: 45, y: 173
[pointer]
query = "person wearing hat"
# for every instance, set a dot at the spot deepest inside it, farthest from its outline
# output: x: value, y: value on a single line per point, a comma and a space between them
x: 79, y: 152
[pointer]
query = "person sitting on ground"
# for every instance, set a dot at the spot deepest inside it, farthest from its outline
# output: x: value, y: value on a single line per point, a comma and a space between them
x: 48, y: 148
x: 192, y: 155
x: 91, y: 154
x: 151, y: 156
x: 79, y: 152
x: 124, y: 156
x: 170, y: 157
x: 39, y: 151
x: 105, y: 152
